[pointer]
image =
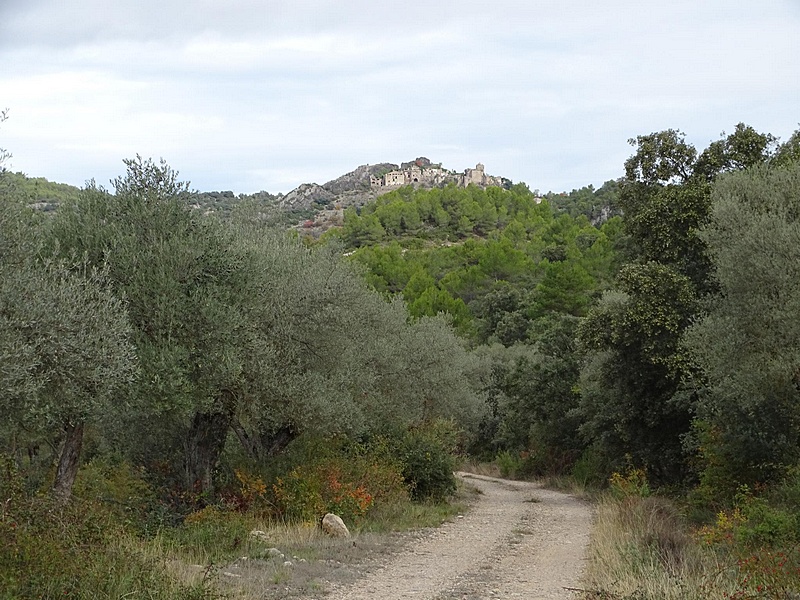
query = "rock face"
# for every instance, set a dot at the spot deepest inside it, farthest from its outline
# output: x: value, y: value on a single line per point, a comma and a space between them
x: 358, y: 180
x: 351, y: 189
x: 334, y: 526
x: 305, y: 197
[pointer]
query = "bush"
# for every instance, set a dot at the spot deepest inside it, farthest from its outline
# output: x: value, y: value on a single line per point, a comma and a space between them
x: 348, y: 481
x: 80, y: 550
x: 591, y: 469
x: 308, y: 492
x: 633, y: 483
x: 509, y: 463
x: 752, y: 524
x: 763, y: 540
x: 428, y: 461
x: 211, y: 533
x: 121, y: 488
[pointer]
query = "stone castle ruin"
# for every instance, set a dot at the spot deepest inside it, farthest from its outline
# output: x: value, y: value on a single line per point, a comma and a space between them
x: 367, y: 182
x: 423, y: 172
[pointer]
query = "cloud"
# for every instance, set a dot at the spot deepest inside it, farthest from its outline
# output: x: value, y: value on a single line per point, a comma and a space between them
x: 252, y: 93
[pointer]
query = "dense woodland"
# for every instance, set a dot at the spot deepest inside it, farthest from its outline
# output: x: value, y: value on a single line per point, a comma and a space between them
x: 649, y: 326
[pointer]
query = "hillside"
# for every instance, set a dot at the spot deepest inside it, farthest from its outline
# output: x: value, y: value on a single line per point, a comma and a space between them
x: 38, y: 192
x: 315, y: 208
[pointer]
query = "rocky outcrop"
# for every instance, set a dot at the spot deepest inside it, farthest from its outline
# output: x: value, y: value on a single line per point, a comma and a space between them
x: 306, y: 196
x: 351, y: 189
x: 359, y: 179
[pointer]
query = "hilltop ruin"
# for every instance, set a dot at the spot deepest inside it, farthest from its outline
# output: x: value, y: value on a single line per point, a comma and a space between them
x: 422, y: 172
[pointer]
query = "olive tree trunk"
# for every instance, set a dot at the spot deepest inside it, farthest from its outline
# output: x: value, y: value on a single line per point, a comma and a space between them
x: 206, y: 441
x: 68, y: 462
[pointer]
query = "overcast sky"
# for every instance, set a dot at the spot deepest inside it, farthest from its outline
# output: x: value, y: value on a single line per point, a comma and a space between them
x: 249, y: 95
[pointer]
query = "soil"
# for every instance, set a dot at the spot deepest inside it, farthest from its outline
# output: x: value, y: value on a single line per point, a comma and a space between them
x: 518, y: 540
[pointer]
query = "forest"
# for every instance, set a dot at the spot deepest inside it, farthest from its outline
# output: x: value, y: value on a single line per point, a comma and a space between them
x: 164, y: 370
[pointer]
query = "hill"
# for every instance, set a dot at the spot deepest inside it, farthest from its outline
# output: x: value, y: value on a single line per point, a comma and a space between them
x: 38, y: 192
x: 315, y: 208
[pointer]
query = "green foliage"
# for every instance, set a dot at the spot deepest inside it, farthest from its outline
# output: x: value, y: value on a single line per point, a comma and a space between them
x: 788, y: 152
x: 80, y: 550
x: 122, y: 489
x: 627, y: 387
x: 565, y: 288
x: 552, y: 265
x: 768, y: 574
x: 591, y: 470
x: 748, y: 343
x: 362, y: 231
x: 761, y: 534
x: 37, y: 192
x: 211, y: 532
x: 742, y: 149
x: 450, y: 212
x: 509, y: 463
x: 660, y: 158
x: 349, y: 482
x: 597, y: 205
x: 236, y: 327
x: 638, y: 388
x: 632, y: 483
x: 664, y: 221
x: 65, y: 339
x: 426, y: 455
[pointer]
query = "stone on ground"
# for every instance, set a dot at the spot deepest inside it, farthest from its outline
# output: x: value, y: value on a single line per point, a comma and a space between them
x: 334, y: 526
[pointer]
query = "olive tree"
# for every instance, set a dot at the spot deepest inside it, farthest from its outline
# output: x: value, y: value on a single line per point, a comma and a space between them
x: 342, y: 358
x: 239, y: 327
x: 65, y: 350
x: 748, y: 342
x: 179, y: 276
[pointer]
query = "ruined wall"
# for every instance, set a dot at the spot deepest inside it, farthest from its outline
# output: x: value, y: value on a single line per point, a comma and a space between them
x: 422, y: 172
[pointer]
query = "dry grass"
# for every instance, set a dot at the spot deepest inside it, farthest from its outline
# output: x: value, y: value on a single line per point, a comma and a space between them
x: 294, y: 560
x: 569, y: 485
x: 641, y: 549
x: 488, y: 469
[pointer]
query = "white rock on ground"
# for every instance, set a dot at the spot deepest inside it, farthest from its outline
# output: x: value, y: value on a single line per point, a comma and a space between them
x: 334, y: 526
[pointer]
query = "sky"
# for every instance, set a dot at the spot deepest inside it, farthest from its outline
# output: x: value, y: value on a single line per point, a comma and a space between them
x: 248, y: 95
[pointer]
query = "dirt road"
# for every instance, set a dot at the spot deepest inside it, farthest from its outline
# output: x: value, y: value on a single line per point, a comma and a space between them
x: 518, y: 541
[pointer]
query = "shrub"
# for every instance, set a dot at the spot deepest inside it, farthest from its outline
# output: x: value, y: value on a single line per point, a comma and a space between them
x: 591, y: 469
x: 633, y: 483
x: 308, y: 492
x: 768, y: 574
x: 247, y: 491
x: 80, y: 550
x: 210, y: 533
x: 118, y: 486
x: 762, y: 539
x: 753, y: 523
x: 348, y: 482
x: 509, y: 463
x: 640, y: 549
x: 428, y: 462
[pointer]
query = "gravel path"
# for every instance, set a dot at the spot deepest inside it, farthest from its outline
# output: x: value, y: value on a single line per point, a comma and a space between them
x: 518, y: 541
